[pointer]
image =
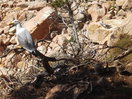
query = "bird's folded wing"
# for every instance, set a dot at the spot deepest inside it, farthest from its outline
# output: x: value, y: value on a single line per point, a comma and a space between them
x: 25, y: 40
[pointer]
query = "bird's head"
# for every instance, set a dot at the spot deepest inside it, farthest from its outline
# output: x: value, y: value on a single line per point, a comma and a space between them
x: 14, y: 23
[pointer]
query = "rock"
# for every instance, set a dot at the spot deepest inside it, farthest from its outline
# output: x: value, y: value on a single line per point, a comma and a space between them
x: 5, y: 71
x: 100, y: 1
x: 22, y: 17
x: 107, y: 16
x: 36, y: 5
x: 6, y: 29
x: 128, y: 14
x: 7, y: 40
x: 2, y: 46
x: 12, y: 60
x: 127, y: 4
x: 26, y: 15
x: 58, y: 43
x: 53, y: 34
x: 97, y: 33
x: 120, y: 2
x: 21, y: 65
x: 79, y: 16
x: 22, y: 4
x: 127, y: 25
x: 17, y: 13
x: 52, y: 93
x: 129, y: 67
x: 124, y: 3
x: 12, y: 29
x: 121, y: 13
x: 42, y: 49
x: 1, y: 30
x: 96, y: 11
x: 4, y: 5
x: 3, y: 36
x: 10, y: 4
x: 13, y: 40
x: 30, y: 14
x: 9, y: 60
x: 107, y: 5
x: 78, y: 13
x: 38, y: 26
x: 10, y: 16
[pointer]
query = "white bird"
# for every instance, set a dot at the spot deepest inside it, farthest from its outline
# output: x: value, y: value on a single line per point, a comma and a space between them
x: 23, y: 36
x: 25, y: 40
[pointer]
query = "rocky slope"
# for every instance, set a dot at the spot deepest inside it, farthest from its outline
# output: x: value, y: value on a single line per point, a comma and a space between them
x: 104, y: 34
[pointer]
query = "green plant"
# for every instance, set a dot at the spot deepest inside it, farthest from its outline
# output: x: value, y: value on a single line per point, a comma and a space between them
x: 58, y: 3
x: 125, y: 41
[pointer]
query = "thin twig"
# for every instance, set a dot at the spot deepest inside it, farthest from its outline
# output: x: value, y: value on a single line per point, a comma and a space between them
x: 14, y: 49
x: 124, y: 54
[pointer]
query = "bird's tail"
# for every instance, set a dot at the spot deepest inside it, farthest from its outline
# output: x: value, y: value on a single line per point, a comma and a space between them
x: 38, y: 54
x: 45, y: 60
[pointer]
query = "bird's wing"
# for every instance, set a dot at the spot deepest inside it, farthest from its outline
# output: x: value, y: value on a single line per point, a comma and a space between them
x: 25, y: 40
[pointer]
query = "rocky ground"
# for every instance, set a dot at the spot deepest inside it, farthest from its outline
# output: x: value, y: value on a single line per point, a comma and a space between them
x: 91, y: 40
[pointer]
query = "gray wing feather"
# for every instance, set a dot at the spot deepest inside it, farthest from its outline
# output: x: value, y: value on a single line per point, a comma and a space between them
x: 25, y: 40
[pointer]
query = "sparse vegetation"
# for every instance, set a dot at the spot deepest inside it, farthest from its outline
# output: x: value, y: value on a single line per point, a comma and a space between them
x: 82, y: 68
x: 58, y: 3
x: 125, y: 41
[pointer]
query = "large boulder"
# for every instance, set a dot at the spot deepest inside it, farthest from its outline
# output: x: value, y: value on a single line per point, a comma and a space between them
x: 39, y: 25
x: 98, y: 33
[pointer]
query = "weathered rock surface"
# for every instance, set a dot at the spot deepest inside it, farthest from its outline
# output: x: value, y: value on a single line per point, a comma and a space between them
x: 22, y: 4
x: 57, y: 45
x: 127, y: 25
x: 2, y: 46
x: 39, y: 25
x: 108, y: 26
x: 96, y: 11
x: 36, y: 5
x: 124, y: 3
x: 98, y: 33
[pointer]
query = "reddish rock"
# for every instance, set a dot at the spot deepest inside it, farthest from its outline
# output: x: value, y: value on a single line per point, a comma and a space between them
x: 39, y: 25
x: 2, y: 47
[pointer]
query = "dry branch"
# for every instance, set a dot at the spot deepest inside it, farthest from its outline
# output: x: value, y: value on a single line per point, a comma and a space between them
x: 10, y: 50
x: 124, y: 54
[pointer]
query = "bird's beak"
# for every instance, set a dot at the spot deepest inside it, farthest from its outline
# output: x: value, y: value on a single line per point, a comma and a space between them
x: 11, y: 24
